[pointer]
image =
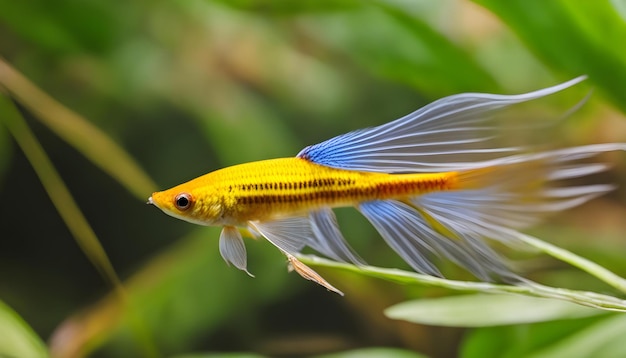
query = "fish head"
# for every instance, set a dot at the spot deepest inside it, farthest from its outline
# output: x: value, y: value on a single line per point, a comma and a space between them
x: 190, y: 202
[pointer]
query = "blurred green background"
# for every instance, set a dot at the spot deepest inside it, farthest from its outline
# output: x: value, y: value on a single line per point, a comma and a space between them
x: 186, y: 87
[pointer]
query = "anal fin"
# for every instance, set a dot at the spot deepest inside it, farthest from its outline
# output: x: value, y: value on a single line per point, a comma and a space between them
x: 327, y: 238
x: 412, y: 235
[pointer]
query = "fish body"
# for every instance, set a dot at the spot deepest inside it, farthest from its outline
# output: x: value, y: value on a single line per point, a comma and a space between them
x: 434, y: 183
x: 277, y: 188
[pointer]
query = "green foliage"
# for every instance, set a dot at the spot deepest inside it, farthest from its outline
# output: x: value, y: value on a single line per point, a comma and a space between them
x: 145, y: 92
x: 415, y: 54
x: 573, y: 36
x: 589, y: 337
x: 373, y: 353
x: 17, y: 339
x: 529, y: 288
x: 65, y: 27
x: 482, y: 310
x: 289, y: 8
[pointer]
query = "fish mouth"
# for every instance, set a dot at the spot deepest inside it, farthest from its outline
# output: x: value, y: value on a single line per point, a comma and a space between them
x: 150, y: 202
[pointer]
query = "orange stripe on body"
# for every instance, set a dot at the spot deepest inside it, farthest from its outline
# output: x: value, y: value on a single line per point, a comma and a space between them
x: 290, y: 186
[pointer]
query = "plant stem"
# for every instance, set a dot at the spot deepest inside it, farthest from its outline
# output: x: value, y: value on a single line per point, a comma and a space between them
x: 528, y: 288
x: 582, y: 263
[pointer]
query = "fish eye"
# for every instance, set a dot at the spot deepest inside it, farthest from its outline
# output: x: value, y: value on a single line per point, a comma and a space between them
x: 183, y: 201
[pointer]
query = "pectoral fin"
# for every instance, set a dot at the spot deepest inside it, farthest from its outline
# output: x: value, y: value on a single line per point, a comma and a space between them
x: 232, y: 248
x: 290, y: 235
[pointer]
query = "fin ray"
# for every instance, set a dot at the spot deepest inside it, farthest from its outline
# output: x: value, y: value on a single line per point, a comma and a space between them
x: 409, y: 233
x: 516, y: 192
x: 394, y: 222
x: 447, y: 135
x: 292, y: 234
x: 328, y: 240
x: 232, y: 248
x: 289, y: 234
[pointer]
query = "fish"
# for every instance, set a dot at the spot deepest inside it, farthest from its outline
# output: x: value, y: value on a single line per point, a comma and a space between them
x: 435, y: 184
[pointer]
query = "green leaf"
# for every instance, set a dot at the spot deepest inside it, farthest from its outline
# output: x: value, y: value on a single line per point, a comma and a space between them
x: 586, y: 337
x: 575, y: 36
x: 582, y: 263
x: 56, y: 189
x: 402, y: 48
x: 17, y: 339
x: 481, y: 310
x: 602, y: 339
x: 88, y: 139
x: 520, y: 340
x: 620, y: 7
x: 528, y: 288
x: 374, y: 353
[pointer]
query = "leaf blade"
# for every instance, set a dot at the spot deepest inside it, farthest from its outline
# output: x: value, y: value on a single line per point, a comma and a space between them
x: 483, y: 310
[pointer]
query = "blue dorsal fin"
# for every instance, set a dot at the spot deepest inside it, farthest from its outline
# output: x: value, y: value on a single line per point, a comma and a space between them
x: 450, y: 134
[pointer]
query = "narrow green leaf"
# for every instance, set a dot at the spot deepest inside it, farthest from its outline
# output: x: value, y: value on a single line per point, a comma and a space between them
x: 57, y: 191
x: 586, y: 265
x: 528, y: 288
x: 78, y: 132
x: 17, y: 339
x: 480, y: 310
x: 66, y: 206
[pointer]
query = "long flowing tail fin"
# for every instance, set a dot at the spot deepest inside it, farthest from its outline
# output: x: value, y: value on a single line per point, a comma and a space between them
x: 511, y: 193
x: 517, y: 191
x: 492, y: 201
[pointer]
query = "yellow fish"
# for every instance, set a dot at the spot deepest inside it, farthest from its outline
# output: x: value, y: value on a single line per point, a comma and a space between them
x: 432, y: 183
